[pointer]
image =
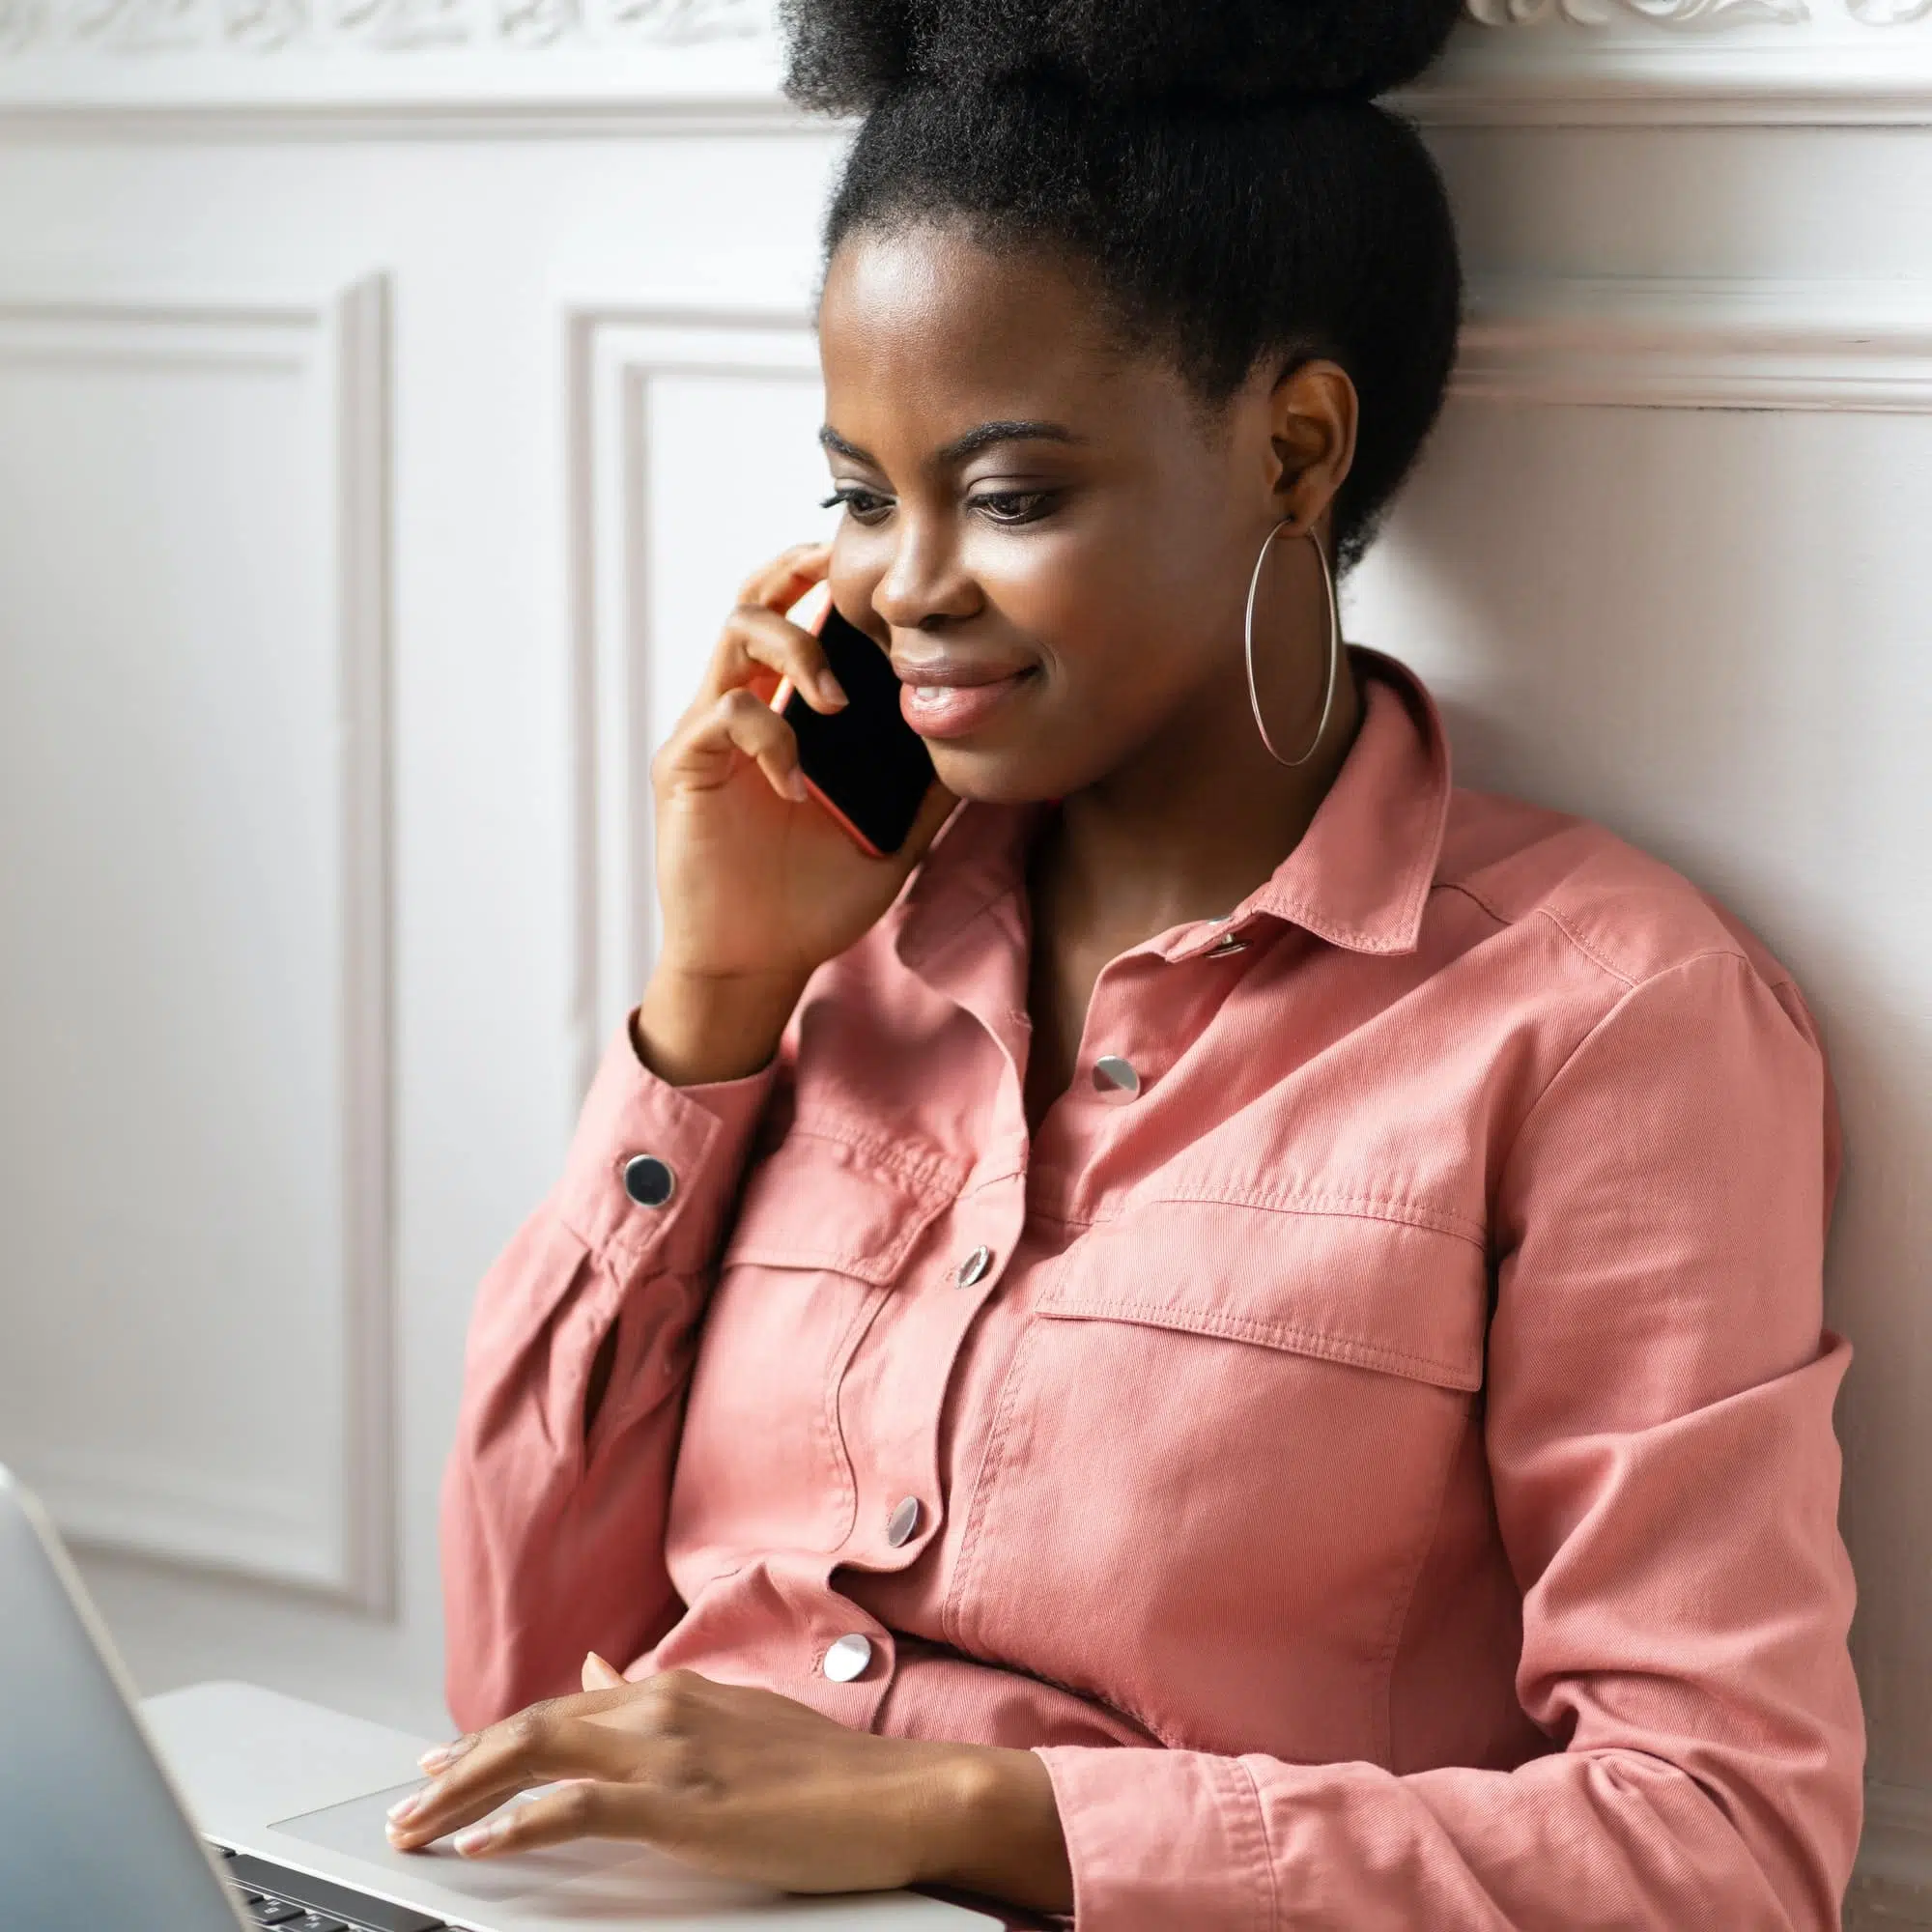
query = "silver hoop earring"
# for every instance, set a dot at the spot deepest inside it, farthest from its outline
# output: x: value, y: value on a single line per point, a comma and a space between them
x: 1334, y: 647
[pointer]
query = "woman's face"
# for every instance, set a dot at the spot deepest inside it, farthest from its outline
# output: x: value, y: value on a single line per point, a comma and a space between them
x: 1049, y: 534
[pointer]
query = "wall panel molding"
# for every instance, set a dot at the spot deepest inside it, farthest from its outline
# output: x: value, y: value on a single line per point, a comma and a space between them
x: 1803, y: 86
x: 355, y: 334
x: 185, y: 1518
x: 1702, y: 345
x: 615, y: 355
x: 340, y: 1545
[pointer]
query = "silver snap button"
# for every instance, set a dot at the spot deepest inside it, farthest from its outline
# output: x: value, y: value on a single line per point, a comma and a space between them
x: 903, y: 1524
x: 848, y: 1658
x: 973, y: 1270
x: 649, y: 1181
x: 1114, y: 1079
x: 1225, y: 946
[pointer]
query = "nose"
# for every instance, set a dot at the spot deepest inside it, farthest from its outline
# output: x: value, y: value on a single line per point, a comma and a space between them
x: 926, y: 585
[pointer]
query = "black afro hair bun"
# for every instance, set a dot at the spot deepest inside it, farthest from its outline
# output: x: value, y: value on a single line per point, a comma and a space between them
x: 845, y: 55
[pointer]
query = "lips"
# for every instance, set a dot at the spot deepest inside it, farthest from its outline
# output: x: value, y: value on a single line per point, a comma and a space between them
x: 948, y: 698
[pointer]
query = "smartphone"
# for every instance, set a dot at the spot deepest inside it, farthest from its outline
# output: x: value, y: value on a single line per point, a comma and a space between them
x: 864, y: 764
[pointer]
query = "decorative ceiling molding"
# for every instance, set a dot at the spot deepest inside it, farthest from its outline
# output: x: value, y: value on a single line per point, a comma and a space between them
x: 320, y: 26
x: 298, y: 70
x: 1684, y: 63
x: 1702, y: 14
x: 265, y: 70
x: 1698, y: 15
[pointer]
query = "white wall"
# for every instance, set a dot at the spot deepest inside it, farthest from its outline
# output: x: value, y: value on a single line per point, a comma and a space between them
x: 196, y: 1062
x: 390, y: 400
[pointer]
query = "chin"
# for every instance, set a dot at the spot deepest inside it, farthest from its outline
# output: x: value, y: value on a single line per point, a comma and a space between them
x: 1005, y: 775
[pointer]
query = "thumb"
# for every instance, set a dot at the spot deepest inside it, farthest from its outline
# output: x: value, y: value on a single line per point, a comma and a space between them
x: 599, y: 1675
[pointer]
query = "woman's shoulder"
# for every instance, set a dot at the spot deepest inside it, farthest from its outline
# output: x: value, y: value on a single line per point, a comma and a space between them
x: 1626, y: 912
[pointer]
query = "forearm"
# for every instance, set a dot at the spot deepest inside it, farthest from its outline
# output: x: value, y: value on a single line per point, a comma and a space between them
x: 694, y: 1029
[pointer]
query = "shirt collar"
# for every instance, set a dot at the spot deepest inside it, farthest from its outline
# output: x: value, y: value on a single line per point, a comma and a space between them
x: 1359, y: 878
x: 1361, y: 874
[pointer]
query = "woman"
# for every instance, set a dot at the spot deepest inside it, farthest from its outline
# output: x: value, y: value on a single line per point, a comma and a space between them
x: 1237, y: 1342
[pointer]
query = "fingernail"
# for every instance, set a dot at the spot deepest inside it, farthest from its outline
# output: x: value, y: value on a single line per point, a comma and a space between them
x: 406, y: 1807
x: 796, y: 785
x: 467, y: 1844
x: 830, y: 689
x: 439, y: 1755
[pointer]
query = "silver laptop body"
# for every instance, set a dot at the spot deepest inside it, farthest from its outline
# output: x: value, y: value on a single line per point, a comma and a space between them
x: 92, y: 1831
x: 95, y: 1833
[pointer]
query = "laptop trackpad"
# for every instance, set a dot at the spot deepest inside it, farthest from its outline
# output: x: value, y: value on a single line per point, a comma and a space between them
x: 356, y: 1829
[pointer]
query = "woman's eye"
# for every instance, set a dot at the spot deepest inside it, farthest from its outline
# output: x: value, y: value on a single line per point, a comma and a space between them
x: 1014, y: 507
x: 863, y: 506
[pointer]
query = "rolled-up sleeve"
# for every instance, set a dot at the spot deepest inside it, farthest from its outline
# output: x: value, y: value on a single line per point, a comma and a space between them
x: 552, y: 1533
x: 1665, y: 1477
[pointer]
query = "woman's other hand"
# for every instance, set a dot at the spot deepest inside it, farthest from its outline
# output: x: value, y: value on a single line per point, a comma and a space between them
x: 749, y: 1785
x: 757, y: 883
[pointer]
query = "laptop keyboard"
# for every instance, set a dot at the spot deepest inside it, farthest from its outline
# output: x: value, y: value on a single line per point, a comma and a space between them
x: 292, y: 1901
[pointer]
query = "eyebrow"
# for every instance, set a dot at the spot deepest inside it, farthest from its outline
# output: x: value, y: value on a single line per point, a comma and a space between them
x: 982, y: 436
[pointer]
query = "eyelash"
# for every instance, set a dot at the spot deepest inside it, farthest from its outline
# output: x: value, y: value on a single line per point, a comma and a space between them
x: 869, y: 506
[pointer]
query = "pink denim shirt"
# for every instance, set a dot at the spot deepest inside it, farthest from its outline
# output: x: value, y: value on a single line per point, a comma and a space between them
x: 1380, y: 1456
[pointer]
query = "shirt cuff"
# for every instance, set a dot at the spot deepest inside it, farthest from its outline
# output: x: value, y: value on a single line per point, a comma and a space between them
x: 696, y: 1136
x: 1160, y: 1838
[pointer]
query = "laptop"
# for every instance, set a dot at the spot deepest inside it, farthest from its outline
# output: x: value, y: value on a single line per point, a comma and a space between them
x: 287, y: 1801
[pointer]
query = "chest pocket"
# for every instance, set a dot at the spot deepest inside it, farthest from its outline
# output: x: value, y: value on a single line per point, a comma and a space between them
x: 1222, y: 1447
x: 823, y: 1230
x: 1372, y: 1293
x: 821, y: 1203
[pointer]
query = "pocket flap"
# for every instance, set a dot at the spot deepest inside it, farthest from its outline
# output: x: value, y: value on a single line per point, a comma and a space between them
x: 821, y: 1203
x: 1374, y: 1294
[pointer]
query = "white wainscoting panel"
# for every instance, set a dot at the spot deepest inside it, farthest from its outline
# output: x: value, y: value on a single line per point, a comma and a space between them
x: 665, y: 404
x: 193, y: 972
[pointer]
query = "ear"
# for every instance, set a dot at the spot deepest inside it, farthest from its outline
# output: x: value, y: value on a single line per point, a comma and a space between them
x: 1313, y: 415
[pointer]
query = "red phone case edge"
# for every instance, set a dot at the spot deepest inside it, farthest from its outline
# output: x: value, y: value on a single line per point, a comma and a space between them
x: 782, y: 697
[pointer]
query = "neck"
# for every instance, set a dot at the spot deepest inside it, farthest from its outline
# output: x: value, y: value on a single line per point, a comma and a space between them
x: 1197, y: 820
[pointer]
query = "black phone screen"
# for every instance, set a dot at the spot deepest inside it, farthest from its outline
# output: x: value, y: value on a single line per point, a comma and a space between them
x: 866, y: 761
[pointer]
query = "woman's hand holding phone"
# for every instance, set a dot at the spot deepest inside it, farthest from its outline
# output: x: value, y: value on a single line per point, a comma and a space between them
x: 759, y: 884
